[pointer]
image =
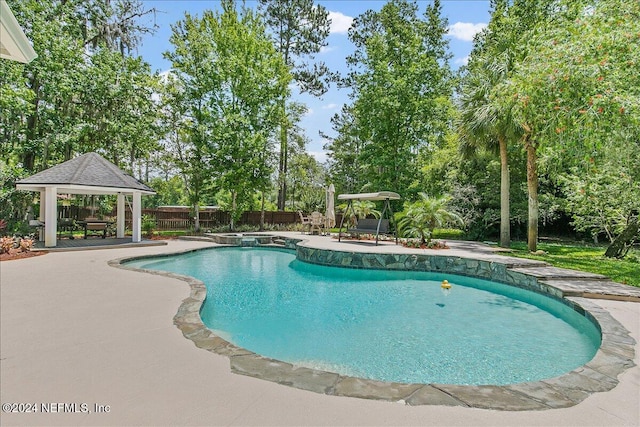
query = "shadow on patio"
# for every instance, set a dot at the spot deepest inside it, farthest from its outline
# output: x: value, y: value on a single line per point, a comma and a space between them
x: 96, y: 243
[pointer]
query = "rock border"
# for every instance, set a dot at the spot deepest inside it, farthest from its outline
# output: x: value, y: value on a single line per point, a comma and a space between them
x: 614, y: 356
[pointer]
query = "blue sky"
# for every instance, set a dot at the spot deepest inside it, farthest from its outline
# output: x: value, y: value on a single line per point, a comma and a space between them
x: 465, y: 18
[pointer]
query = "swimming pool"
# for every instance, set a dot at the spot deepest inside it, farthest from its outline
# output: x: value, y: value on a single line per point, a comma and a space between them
x: 384, y: 325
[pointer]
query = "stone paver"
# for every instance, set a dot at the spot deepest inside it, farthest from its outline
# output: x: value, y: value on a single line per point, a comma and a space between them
x: 369, y: 389
x: 284, y: 373
x: 549, y: 272
x: 598, y: 289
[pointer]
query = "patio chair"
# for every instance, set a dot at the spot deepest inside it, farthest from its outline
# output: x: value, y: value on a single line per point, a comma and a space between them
x: 306, y: 221
x: 66, y: 225
x: 317, y: 222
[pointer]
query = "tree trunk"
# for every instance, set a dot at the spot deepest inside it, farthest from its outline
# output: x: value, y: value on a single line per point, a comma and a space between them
x: 232, y: 226
x: 29, y: 157
x: 505, y: 220
x: 196, y: 210
x: 532, y: 187
x: 282, y: 170
x: 619, y: 247
x: 262, y: 211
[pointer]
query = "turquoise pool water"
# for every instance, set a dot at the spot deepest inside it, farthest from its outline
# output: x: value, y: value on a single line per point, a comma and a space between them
x: 384, y: 325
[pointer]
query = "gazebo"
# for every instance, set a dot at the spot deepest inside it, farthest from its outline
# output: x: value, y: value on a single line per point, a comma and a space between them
x: 88, y: 174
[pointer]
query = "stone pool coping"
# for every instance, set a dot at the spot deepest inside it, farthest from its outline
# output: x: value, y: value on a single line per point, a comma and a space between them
x: 614, y: 356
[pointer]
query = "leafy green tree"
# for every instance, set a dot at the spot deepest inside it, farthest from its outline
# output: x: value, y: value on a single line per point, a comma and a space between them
x: 576, y: 91
x: 306, y: 183
x: 50, y: 127
x: 401, y: 89
x: 423, y: 216
x: 299, y: 29
x: 344, y: 153
x: 248, y: 105
x: 14, y: 204
x: 169, y: 192
x: 83, y: 92
x: 119, y: 114
x: 187, y: 97
x: 230, y: 80
x: 52, y: 80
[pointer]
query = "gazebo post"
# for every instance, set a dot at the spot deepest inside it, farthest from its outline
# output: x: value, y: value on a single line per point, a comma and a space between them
x: 50, y: 216
x: 41, y: 214
x: 120, y: 216
x: 136, y: 217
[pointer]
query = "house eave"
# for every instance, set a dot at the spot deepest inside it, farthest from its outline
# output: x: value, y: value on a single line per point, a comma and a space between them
x: 14, y: 45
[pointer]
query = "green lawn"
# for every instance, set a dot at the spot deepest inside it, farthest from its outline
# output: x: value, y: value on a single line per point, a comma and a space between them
x: 588, y: 258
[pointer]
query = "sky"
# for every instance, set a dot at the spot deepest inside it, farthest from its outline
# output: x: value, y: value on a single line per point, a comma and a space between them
x: 465, y: 17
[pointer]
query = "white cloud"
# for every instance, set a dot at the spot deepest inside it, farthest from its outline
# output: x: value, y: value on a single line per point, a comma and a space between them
x: 309, y: 112
x: 325, y: 49
x: 462, y: 61
x: 164, y: 75
x: 340, y: 23
x: 320, y: 156
x: 331, y: 106
x: 465, y: 30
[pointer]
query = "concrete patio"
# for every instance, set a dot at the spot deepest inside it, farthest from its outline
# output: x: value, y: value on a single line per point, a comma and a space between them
x: 64, y: 245
x: 75, y: 330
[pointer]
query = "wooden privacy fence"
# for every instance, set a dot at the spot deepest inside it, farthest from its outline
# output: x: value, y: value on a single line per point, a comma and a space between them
x: 175, y: 218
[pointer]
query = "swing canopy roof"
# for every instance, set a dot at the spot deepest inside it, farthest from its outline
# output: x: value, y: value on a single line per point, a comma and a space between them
x: 89, y: 173
x: 380, y: 195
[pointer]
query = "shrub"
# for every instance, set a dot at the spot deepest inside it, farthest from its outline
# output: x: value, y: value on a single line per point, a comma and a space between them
x: 420, y: 218
x: 448, y: 233
x: 26, y: 244
x: 6, y: 244
x: 148, y: 225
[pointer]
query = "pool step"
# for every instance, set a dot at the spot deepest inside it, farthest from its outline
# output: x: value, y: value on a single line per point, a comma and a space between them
x: 279, y: 242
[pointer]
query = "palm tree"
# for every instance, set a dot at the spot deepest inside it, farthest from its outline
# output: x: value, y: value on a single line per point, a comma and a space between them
x: 365, y: 208
x: 484, y: 125
x: 485, y: 122
x: 424, y: 215
x: 360, y: 209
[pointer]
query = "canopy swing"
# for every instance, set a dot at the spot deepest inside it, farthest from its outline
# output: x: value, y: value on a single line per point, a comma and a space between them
x: 367, y: 225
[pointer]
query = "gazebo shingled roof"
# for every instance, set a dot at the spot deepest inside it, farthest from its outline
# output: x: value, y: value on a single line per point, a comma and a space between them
x: 91, y: 170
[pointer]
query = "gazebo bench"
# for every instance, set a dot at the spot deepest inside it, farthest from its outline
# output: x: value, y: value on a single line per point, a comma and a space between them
x: 96, y: 226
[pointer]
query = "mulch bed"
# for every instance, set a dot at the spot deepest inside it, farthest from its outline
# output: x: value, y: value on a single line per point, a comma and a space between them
x: 14, y: 254
x: 437, y: 245
x: 434, y: 244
